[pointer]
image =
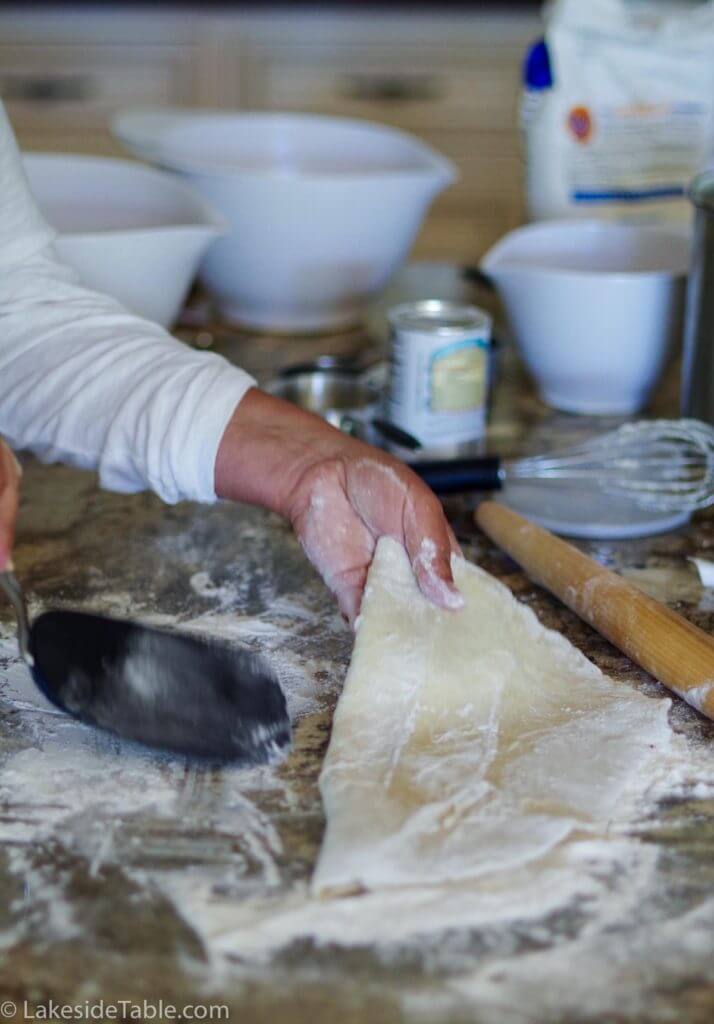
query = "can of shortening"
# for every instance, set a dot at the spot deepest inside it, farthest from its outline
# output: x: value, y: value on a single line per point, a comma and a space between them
x: 440, y: 372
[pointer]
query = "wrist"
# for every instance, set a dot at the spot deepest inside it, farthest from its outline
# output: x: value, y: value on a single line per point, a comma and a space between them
x: 267, y: 448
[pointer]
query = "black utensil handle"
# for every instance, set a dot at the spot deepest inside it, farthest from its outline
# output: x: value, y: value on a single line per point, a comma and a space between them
x: 478, y: 277
x: 456, y: 475
x: 396, y: 434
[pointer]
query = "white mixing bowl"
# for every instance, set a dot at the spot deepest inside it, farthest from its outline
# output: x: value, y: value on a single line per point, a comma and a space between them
x: 129, y: 231
x: 595, y: 308
x: 322, y: 210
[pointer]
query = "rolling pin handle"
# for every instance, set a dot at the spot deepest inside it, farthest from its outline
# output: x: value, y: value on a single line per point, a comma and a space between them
x: 673, y: 650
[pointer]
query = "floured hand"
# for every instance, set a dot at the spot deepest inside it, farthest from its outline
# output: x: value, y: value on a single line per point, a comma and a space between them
x: 346, y: 502
x: 340, y: 495
x: 9, y: 499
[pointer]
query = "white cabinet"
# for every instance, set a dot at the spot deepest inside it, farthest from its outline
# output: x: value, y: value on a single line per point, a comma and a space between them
x: 452, y: 79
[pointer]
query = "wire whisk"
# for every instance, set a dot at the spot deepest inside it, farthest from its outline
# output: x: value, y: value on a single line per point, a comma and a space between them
x: 662, y: 465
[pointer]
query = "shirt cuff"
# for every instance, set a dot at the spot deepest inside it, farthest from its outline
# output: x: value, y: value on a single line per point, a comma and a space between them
x: 198, y: 429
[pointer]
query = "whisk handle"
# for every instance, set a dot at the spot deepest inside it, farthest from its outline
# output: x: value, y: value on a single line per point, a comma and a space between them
x: 454, y: 476
x: 674, y: 651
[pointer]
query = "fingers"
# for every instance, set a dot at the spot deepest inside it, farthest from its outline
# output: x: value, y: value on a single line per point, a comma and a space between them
x: 391, y: 500
x: 346, y: 505
x: 9, y: 500
x: 335, y: 540
x: 349, y: 590
x: 430, y: 542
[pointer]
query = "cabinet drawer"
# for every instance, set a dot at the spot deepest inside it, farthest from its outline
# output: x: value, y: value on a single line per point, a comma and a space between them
x: 403, y: 90
x: 50, y: 88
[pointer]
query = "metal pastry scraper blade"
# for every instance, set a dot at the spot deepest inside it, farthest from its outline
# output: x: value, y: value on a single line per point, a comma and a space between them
x: 171, y: 691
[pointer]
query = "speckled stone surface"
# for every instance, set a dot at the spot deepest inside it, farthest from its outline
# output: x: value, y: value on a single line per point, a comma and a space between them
x: 97, y: 871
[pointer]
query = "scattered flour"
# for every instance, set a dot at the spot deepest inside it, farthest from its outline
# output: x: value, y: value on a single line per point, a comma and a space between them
x: 619, y: 988
x: 698, y: 696
x: 590, y: 914
x: 224, y: 595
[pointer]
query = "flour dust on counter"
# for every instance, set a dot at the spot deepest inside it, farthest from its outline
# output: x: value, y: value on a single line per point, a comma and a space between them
x: 159, y: 821
x: 223, y: 858
x: 481, y: 771
x: 485, y: 790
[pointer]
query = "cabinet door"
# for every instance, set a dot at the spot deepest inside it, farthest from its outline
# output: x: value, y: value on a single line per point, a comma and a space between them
x: 402, y: 89
x: 62, y: 97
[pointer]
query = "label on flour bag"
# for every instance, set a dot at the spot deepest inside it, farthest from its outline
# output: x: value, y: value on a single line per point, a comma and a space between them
x: 639, y: 153
x: 440, y: 370
x: 618, y: 109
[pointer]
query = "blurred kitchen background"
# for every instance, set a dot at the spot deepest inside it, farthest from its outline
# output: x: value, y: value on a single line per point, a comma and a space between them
x: 449, y: 73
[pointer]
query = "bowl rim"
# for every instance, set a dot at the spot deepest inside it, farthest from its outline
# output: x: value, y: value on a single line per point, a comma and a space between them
x: 489, y: 265
x: 121, y: 121
x: 212, y: 221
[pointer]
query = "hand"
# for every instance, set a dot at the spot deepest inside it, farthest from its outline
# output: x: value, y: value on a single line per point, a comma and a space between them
x: 9, y: 499
x: 340, y: 495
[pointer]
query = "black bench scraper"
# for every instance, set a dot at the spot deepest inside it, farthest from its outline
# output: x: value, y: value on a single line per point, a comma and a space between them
x: 167, y: 690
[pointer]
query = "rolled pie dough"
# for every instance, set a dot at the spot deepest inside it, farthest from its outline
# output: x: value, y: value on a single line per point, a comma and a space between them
x: 471, y: 743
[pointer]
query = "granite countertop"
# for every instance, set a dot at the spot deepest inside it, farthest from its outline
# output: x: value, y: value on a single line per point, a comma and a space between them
x: 131, y: 876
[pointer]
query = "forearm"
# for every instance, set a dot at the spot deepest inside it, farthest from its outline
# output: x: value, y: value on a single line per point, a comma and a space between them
x: 268, y: 447
x: 264, y: 449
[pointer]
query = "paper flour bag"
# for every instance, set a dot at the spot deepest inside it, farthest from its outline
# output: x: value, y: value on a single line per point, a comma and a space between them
x: 618, y: 109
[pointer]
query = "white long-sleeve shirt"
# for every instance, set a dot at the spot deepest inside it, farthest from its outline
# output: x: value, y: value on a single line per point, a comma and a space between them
x: 83, y: 381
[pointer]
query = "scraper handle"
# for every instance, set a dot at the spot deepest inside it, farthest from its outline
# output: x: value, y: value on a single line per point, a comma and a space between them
x: 674, y: 651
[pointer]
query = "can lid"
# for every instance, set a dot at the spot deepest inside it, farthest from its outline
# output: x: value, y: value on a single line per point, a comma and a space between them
x: 437, y: 316
x: 701, y: 191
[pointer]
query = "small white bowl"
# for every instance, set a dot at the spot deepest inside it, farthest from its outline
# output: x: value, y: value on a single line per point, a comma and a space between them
x: 129, y: 231
x: 322, y: 210
x: 595, y: 308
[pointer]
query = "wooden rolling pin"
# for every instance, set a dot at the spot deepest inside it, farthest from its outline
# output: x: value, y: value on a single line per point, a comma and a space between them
x: 671, y: 649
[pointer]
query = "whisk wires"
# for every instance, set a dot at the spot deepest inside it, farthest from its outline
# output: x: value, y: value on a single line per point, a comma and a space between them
x: 663, y: 465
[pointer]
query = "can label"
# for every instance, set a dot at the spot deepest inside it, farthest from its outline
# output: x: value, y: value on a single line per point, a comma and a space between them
x: 439, y: 382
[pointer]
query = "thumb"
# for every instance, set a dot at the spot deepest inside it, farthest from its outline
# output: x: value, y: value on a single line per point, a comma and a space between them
x: 348, y: 588
x: 432, y: 568
x: 429, y: 543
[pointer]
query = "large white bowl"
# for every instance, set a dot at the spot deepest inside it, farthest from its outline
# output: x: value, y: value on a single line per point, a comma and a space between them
x: 595, y: 308
x: 130, y: 231
x: 322, y: 210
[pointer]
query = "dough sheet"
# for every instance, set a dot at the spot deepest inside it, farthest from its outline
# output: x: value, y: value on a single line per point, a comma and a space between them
x: 469, y: 744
